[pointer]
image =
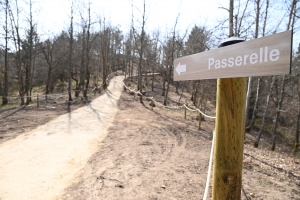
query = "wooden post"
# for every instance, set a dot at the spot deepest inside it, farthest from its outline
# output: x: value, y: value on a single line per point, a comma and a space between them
x: 184, y: 112
x: 229, y: 138
x: 199, y: 121
x: 37, y: 100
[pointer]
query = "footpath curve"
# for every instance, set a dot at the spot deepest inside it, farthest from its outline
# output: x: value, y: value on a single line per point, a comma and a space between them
x: 41, y: 163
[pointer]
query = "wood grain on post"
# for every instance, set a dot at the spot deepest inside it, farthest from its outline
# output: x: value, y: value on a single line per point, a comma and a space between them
x: 229, y: 138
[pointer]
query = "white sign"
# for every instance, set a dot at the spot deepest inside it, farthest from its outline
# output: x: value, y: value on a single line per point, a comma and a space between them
x: 265, y: 56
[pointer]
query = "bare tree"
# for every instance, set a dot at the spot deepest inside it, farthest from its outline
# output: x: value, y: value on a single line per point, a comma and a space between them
x: 29, y: 69
x: 17, y: 43
x: 170, y: 51
x: 53, y: 56
x: 105, y: 49
x: 5, y: 71
x: 265, y: 113
x: 253, y: 118
x: 70, y: 54
x: 141, y: 47
x: 257, y: 17
x: 279, y: 100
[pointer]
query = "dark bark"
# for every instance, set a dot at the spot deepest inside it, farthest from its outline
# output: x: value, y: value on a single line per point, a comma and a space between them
x: 141, y: 53
x: 279, y: 102
x: 253, y: 118
x: 278, y: 111
x: 48, y: 80
x: 164, y: 85
x: 152, y: 81
x: 248, y: 96
x: 265, y: 113
x: 296, y: 144
x: 5, y: 73
x: 88, y: 47
x: 231, y: 18
x: 170, y: 59
x: 70, y: 55
x: 82, y: 62
x: 17, y: 44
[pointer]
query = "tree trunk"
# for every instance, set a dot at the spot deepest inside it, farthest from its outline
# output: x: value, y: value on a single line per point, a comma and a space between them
x: 274, y: 129
x: 5, y: 85
x: 1, y: 90
x: 168, y: 84
x: 164, y: 85
x: 265, y: 113
x: 29, y: 69
x: 48, y: 80
x: 248, y: 100
x: 182, y: 88
x: 152, y: 83
x: 177, y: 86
x: 70, y: 56
x: 88, y: 45
x: 290, y: 24
x: 131, y: 74
x: 141, y: 54
x: 170, y: 64
x: 278, y: 111
x: 296, y: 145
x: 252, y: 122
x: 231, y: 18
x: 77, y: 89
x: 82, y: 63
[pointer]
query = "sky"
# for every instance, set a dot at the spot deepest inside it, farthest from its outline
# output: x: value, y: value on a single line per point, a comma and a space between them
x: 53, y: 16
x: 161, y: 14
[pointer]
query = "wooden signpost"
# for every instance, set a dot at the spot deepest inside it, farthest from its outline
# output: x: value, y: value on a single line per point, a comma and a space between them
x: 269, y: 55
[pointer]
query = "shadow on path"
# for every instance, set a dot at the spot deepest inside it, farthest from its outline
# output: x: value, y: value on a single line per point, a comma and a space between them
x: 89, y: 105
x: 17, y: 110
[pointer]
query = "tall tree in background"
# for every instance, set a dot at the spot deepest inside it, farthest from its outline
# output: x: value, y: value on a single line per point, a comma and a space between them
x: 248, y: 128
x: 169, y: 58
x: 53, y: 52
x: 197, y: 42
x: 30, y: 54
x: 82, y: 74
x: 296, y: 63
x: 5, y: 71
x: 141, y: 50
x: 70, y: 54
x: 105, y: 49
x: 28, y: 69
x: 258, y: 88
x: 87, y: 53
x: 279, y: 98
x: 17, y: 43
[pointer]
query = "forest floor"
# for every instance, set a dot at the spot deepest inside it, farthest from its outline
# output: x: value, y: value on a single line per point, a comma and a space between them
x: 144, y: 154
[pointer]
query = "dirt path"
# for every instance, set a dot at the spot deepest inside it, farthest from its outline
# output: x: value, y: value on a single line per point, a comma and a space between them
x: 40, y: 164
x: 146, y: 155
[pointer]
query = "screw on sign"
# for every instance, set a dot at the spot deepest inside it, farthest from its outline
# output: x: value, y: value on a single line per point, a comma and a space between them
x: 233, y: 60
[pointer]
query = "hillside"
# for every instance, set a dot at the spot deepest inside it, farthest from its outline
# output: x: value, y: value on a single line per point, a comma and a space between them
x: 157, y: 154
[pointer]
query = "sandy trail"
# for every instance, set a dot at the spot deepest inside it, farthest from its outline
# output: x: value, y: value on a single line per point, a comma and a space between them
x: 43, y: 162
